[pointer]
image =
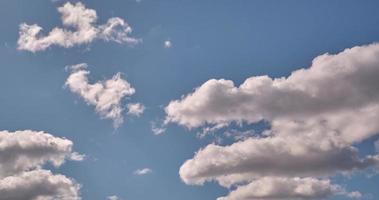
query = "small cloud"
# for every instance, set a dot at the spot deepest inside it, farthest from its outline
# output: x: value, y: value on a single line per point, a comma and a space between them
x: 143, y: 171
x: 105, y: 95
x: 113, y: 197
x: 75, y: 156
x: 355, y: 195
x: 135, y: 109
x: 167, y: 44
x: 157, y: 129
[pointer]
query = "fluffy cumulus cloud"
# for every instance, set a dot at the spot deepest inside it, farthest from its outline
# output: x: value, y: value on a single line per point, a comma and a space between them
x: 22, y: 157
x: 272, y: 156
x: 25, y: 150
x: 38, y: 185
x: 316, y: 115
x: 273, y: 188
x: 106, y: 95
x: 79, y: 28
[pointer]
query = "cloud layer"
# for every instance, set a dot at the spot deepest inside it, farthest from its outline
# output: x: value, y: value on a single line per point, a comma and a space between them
x: 23, y: 155
x: 83, y: 21
x: 316, y: 116
x: 106, y: 95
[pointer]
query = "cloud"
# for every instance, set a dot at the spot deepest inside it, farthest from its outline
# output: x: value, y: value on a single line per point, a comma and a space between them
x: 316, y: 116
x: 273, y: 188
x: 38, y: 184
x: 113, y: 197
x: 143, y: 171
x: 135, y: 109
x: 23, y: 155
x: 157, y: 129
x: 83, y: 21
x: 26, y: 150
x: 333, y: 85
x: 167, y: 44
x: 272, y: 156
x: 106, y: 95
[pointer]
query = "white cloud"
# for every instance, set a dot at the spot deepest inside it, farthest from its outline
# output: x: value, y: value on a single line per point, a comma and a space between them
x: 135, y: 109
x: 113, y: 197
x: 274, y: 188
x: 23, y: 155
x: 333, y: 85
x: 38, y: 185
x: 82, y: 19
x: 106, y: 95
x: 143, y: 171
x: 316, y: 116
x: 167, y: 44
x: 272, y: 156
x: 77, y: 157
x: 26, y: 150
x: 157, y: 129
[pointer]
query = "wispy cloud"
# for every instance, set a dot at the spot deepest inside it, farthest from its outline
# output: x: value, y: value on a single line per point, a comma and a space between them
x: 143, y: 171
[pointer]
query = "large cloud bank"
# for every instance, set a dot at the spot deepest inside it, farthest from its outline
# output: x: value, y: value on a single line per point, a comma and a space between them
x: 83, y: 21
x: 316, y: 116
x: 22, y: 157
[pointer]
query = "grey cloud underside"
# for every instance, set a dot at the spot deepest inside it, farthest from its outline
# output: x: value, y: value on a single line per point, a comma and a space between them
x: 316, y: 116
x: 83, y: 20
x: 38, y: 185
x: 23, y: 154
x: 256, y: 158
x: 270, y: 188
x: 25, y: 150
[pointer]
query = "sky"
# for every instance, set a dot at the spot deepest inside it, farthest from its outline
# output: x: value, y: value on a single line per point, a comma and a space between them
x: 206, y: 100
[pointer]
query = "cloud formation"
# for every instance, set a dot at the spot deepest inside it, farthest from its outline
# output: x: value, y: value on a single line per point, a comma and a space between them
x: 143, y: 171
x: 272, y: 156
x: 333, y: 84
x: 113, y: 197
x: 23, y: 155
x: 26, y: 150
x: 135, y: 109
x: 167, y: 44
x: 273, y: 188
x: 38, y: 185
x: 316, y: 115
x: 83, y: 21
x: 106, y: 95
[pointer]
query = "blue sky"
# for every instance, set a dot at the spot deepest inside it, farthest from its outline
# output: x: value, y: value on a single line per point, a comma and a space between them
x: 223, y: 39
